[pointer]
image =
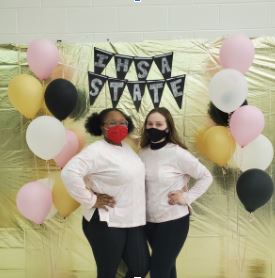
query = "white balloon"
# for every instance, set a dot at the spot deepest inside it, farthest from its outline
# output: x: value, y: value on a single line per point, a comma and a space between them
x: 228, y: 90
x: 258, y: 154
x: 46, y: 137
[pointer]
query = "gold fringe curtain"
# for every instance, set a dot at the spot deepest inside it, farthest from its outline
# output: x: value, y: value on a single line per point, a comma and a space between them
x: 224, y: 242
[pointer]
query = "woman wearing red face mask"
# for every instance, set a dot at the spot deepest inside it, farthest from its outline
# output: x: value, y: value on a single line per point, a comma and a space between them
x: 108, y: 179
x: 168, y: 167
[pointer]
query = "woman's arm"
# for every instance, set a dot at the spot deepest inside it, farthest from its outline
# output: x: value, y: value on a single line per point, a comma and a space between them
x: 73, y: 177
x: 194, y: 168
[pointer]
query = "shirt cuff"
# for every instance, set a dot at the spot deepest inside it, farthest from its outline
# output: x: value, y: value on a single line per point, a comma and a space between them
x: 188, y: 202
x: 92, y: 203
x: 186, y: 198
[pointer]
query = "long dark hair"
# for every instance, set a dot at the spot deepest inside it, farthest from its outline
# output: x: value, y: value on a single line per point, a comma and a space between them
x: 172, y: 135
x: 95, y: 121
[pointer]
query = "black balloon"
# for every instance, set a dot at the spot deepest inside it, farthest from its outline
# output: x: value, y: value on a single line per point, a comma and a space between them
x: 254, y: 188
x: 61, y: 98
x: 218, y: 116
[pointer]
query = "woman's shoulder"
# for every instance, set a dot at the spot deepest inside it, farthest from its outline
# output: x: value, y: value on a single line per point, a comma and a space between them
x: 93, y: 147
x: 174, y: 147
x: 178, y: 149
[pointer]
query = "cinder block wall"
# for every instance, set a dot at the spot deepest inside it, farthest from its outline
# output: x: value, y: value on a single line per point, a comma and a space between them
x: 125, y: 20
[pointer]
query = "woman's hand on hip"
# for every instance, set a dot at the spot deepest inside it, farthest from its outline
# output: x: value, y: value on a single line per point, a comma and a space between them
x: 178, y: 197
x: 104, y: 200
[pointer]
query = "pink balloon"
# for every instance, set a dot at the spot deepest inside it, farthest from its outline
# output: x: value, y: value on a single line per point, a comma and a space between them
x: 69, y: 150
x: 237, y: 52
x: 246, y: 123
x: 34, y: 201
x: 42, y: 57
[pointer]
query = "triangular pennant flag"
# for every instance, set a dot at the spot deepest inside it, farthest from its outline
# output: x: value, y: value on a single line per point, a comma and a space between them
x: 116, y: 87
x: 156, y: 89
x: 176, y: 86
x: 143, y: 66
x: 101, y: 59
x: 96, y: 83
x: 123, y: 64
x: 164, y: 63
x: 136, y: 89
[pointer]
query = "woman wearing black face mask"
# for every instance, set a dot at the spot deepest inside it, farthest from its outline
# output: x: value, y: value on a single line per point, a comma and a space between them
x: 108, y: 178
x: 168, y: 167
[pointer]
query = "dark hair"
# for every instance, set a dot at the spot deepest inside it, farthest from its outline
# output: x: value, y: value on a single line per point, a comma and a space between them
x: 95, y: 121
x: 218, y: 116
x: 172, y: 135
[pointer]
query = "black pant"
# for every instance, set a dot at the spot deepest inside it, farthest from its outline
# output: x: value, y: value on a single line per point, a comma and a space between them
x: 166, y: 240
x: 110, y: 245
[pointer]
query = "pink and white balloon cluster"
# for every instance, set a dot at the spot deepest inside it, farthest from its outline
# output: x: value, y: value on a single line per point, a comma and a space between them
x: 46, y: 136
x: 34, y: 199
x: 228, y: 90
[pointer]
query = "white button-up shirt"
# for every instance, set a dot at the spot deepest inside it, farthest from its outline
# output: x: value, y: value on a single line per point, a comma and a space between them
x: 108, y: 169
x: 168, y: 169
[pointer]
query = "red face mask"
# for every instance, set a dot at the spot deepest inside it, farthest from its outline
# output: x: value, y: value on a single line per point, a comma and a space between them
x: 117, y: 133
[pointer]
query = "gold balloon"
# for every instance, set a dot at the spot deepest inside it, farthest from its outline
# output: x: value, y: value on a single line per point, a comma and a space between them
x: 63, y: 202
x: 26, y: 94
x: 218, y: 144
x: 200, y: 141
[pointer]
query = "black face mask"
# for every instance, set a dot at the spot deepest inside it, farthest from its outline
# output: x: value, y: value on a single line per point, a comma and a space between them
x: 155, y: 134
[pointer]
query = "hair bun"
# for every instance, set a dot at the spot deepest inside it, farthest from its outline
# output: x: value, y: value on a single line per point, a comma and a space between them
x: 92, y: 125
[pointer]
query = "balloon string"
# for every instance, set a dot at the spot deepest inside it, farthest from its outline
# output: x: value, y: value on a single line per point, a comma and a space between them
x: 44, y: 103
x: 242, y: 255
x: 45, y: 245
x: 48, y: 168
x: 240, y: 258
x: 251, y: 217
x: 36, y: 166
x: 51, y: 253
x: 239, y: 243
x: 225, y: 185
